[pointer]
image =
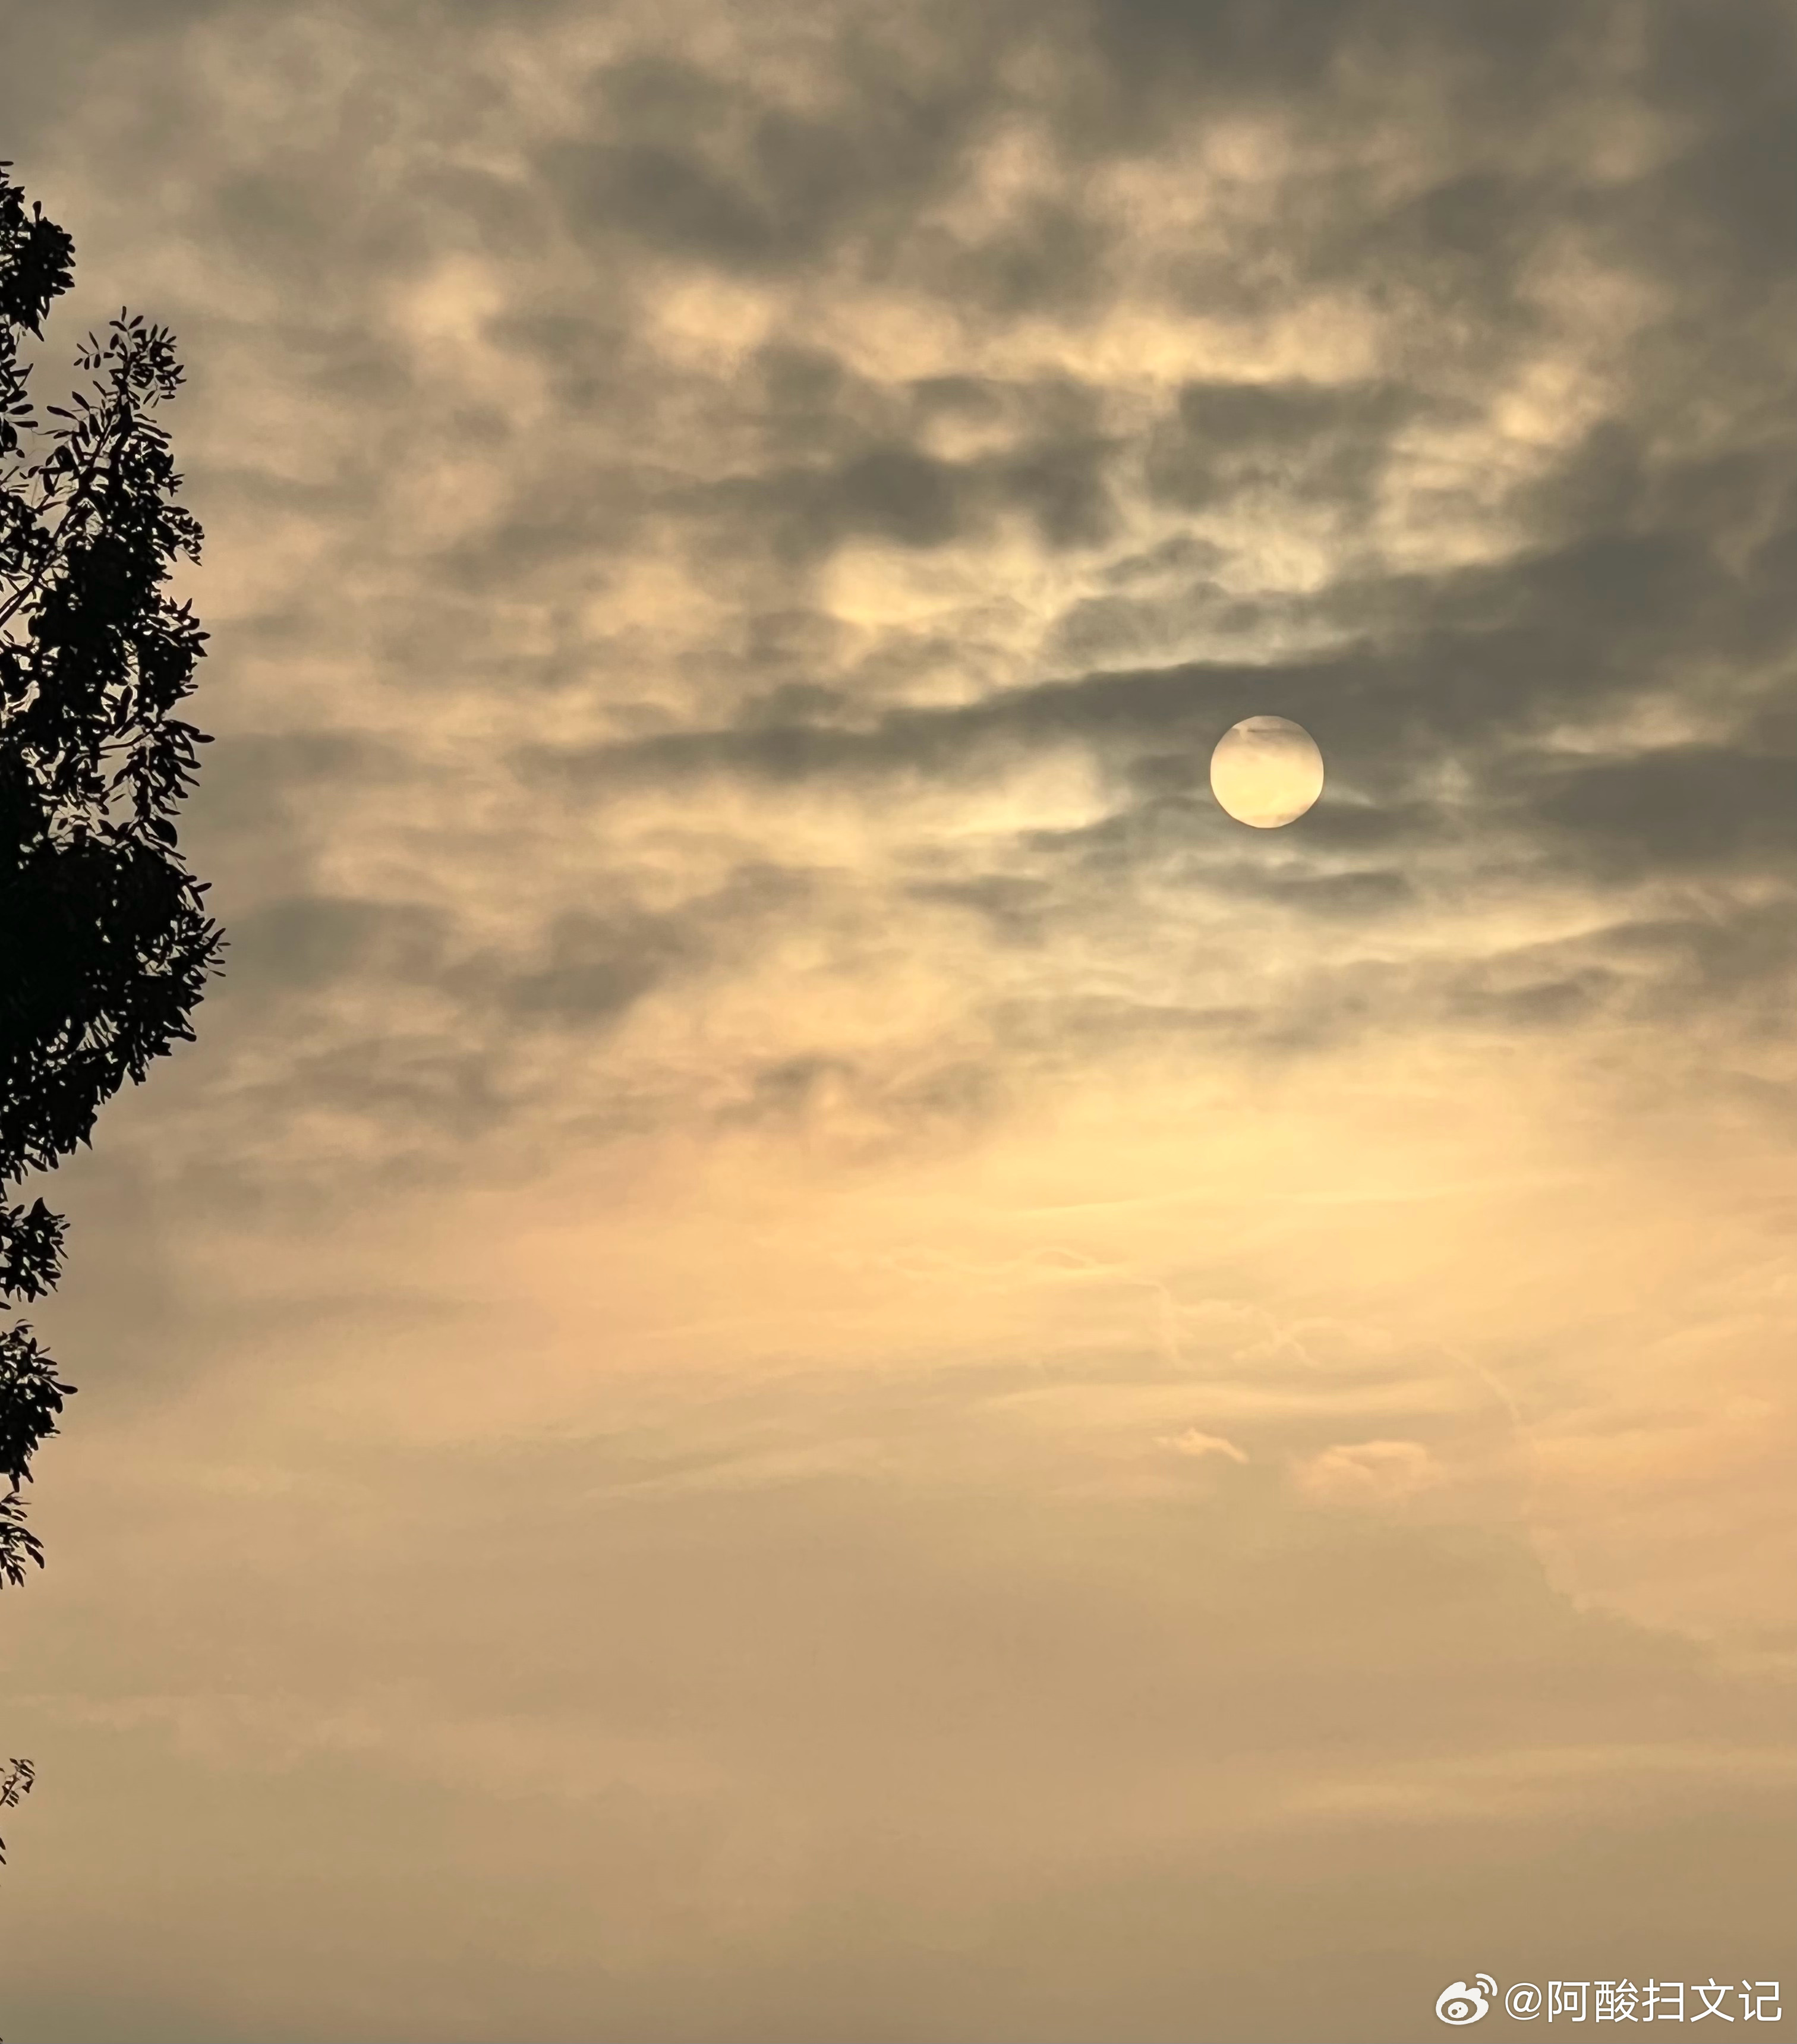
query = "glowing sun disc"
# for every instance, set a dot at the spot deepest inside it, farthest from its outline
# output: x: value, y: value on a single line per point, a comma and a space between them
x: 1266, y: 772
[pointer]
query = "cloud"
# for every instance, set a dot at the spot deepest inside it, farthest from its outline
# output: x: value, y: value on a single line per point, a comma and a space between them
x: 1194, y: 1442
x: 577, y: 393
x: 699, y: 165
x: 1369, y: 1472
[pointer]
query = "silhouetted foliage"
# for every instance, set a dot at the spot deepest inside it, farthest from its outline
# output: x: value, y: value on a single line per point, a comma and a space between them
x: 15, y: 1785
x: 104, y: 946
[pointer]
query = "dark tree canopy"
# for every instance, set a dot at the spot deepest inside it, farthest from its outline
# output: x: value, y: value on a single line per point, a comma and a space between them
x: 104, y: 945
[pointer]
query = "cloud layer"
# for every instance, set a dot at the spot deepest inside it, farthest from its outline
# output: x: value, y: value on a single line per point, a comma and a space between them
x: 806, y: 1353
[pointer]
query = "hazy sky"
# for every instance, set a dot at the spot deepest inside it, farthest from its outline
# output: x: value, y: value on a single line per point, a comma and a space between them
x: 806, y: 1354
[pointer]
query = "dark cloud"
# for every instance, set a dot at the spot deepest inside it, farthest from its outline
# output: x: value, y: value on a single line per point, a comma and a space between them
x: 247, y: 776
x: 1154, y: 51
x: 1322, y: 443
x: 590, y: 967
x: 1543, y: 1003
x: 593, y: 964
x: 1155, y: 67
x: 551, y: 521
x: 311, y: 941
x: 50, y: 55
x: 1726, y: 200
x: 693, y: 164
x: 265, y: 803
x: 1358, y: 897
x: 1107, y: 711
x: 1689, y: 808
x: 1625, y: 588
x: 777, y: 641
x: 1741, y: 182
x: 419, y: 1088
x: 1464, y: 668
x: 916, y: 499
x: 1050, y: 257
x: 845, y: 460
x: 597, y: 967
x: 584, y: 354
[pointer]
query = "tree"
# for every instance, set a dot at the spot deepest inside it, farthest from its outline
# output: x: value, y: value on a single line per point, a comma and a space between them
x: 104, y: 945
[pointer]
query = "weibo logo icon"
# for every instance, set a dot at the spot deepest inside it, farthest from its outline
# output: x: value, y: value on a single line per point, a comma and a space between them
x: 1460, y: 2004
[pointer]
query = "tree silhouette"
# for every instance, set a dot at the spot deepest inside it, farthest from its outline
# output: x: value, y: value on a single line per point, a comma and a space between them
x: 104, y: 946
x: 15, y: 1785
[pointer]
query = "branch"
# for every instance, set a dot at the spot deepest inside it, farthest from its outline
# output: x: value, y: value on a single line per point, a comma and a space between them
x: 84, y: 493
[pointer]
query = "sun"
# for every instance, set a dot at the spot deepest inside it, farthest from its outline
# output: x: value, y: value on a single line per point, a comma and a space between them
x: 1266, y: 772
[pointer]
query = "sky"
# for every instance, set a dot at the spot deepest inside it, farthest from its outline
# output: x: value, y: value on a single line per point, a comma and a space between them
x: 806, y: 1354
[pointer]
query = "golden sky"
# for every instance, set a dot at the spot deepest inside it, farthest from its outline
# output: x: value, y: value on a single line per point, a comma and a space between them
x: 806, y: 1354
